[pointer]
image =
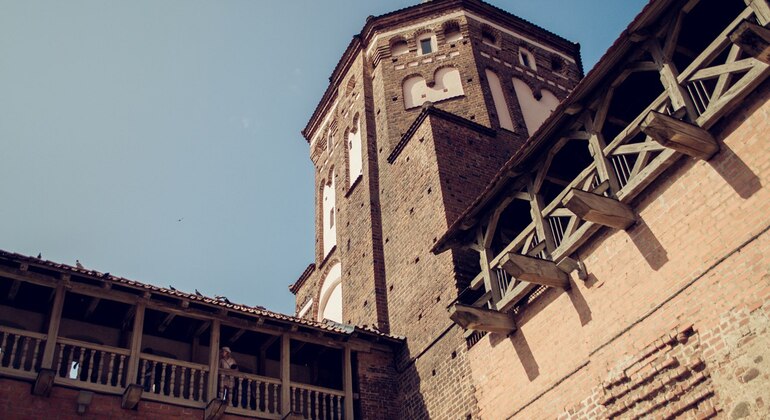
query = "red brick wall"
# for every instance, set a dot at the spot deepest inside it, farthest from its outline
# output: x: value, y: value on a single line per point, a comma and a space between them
x: 17, y: 403
x: 674, y: 315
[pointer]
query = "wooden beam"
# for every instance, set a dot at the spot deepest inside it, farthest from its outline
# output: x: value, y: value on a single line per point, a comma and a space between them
x: 236, y: 336
x: 269, y: 342
x: 298, y: 347
x: 215, y: 409
x: 92, y: 307
x: 599, y: 209
x: 53, y: 325
x: 43, y: 382
x: 347, y: 382
x: 204, y: 326
x: 214, y: 361
x: 166, y: 321
x: 131, y: 396
x: 679, y: 135
x: 753, y: 39
x: 136, y: 341
x: 481, y: 319
x: 14, y: 290
x: 285, y: 374
x: 534, y: 270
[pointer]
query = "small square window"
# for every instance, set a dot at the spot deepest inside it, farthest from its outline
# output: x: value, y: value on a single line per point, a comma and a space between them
x: 426, y: 47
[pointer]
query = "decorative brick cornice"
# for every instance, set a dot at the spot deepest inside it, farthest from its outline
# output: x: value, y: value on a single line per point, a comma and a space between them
x: 294, y: 288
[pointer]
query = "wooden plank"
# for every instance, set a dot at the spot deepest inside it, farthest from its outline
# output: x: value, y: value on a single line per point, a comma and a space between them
x: 215, y: 409
x: 91, y: 307
x: 761, y: 10
x: 679, y: 135
x: 14, y: 290
x: 482, y: 319
x: 634, y: 148
x: 534, y: 270
x: 166, y: 322
x: 599, y: 209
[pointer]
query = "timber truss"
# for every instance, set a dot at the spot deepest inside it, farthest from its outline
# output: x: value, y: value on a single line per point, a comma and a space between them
x: 681, y: 74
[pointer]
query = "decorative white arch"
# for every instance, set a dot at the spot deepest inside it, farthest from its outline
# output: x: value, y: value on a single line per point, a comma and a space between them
x: 330, y: 300
x: 328, y: 205
x: 498, y: 97
x: 535, y: 110
x: 355, y: 164
x: 447, y: 85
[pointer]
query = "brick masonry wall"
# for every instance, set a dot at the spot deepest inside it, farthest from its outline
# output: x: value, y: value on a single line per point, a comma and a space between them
x: 673, y: 318
x: 17, y: 403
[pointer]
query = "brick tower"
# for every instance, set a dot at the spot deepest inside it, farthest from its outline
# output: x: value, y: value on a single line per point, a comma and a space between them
x: 423, y: 108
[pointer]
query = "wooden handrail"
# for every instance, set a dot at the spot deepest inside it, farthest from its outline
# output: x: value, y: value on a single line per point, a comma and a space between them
x: 170, y: 361
x: 238, y: 374
x: 93, y: 346
x: 24, y: 333
x: 318, y: 389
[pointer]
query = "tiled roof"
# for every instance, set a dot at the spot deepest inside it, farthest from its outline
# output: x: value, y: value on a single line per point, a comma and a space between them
x: 259, y: 311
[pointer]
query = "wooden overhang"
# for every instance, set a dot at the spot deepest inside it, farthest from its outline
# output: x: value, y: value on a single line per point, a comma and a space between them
x: 376, y: 24
x: 174, y: 302
x: 520, y: 163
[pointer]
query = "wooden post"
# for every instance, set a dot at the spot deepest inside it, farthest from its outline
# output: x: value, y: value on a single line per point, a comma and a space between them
x: 669, y: 78
x: 481, y: 319
x: 534, y: 270
x: 596, y: 147
x: 285, y: 374
x: 543, y: 233
x: 53, y: 324
x: 214, y: 360
x: 599, y: 209
x: 761, y: 10
x: 679, y: 135
x: 347, y: 380
x: 490, y: 277
x: 753, y: 39
x: 136, y: 343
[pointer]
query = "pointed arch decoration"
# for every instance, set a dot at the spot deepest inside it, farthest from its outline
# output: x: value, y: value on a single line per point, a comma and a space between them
x: 330, y: 295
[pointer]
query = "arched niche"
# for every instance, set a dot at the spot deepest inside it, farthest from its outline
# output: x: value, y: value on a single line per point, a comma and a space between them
x: 498, y: 97
x: 330, y: 296
x: 398, y: 46
x: 535, y: 110
x: 527, y: 59
x: 355, y: 163
x: 328, y: 205
x: 448, y: 84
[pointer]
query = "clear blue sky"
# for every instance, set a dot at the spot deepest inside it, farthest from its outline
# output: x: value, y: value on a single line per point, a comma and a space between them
x: 118, y: 119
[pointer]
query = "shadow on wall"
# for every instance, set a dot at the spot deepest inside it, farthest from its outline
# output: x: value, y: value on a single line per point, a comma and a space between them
x: 735, y: 172
x: 648, y: 245
x: 412, y: 403
x: 579, y: 302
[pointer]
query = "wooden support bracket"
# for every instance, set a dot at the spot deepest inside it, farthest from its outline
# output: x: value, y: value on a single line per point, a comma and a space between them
x: 43, y: 382
x: 131, y: 396
x: 481, y: 319
x: 569, y: 265
x: 599, y: 209
x: 292, y: 415
x: 534, y: 270
x: 753, y: 39
x: 679, y: 135
x: 214, y: 409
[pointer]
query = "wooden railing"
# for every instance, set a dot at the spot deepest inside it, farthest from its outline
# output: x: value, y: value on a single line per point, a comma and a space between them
x: 91, y: 366
x: 711, y: 85
x: 20, y: 352
x: 172, y: 380
x: 317, y: 403
x: 248, y: 394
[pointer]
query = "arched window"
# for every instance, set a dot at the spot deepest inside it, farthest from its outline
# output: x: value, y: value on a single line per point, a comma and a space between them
x: 527, y: 59
x: 355, y: 163
x: 328, y: 205
x: 398, y: 47
x: 501, y: 105
x: 426, y: 43
x: 452, y: 32
x: 330, y: 298
x: 535, y: 109
x: 489, y: 38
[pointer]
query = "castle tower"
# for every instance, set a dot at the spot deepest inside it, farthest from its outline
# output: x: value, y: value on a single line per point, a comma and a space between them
x: 424, y: 107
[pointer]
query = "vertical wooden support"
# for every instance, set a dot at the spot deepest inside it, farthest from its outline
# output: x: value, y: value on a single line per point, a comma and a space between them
x: 761, y: 10
x: 543, y: 234
x: 490, y: 277
x: 53, y: 324
x: 347, y: 380
x: 213, y: 361
x: 596, y: 145
x: 136, y: 343
x: 668, y: 76
x: 285, y: 374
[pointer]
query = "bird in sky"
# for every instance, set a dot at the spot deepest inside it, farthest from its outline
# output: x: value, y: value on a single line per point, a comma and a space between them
x: 78, y: 264
x: 39, y: 255
x: 180, y: 219
x: 197, y: 293
x: 106, y: 275
x: 222, y: 298
x: 172, y: 287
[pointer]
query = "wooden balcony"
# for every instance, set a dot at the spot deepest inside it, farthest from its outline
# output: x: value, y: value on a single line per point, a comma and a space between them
x: 608, y: 149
